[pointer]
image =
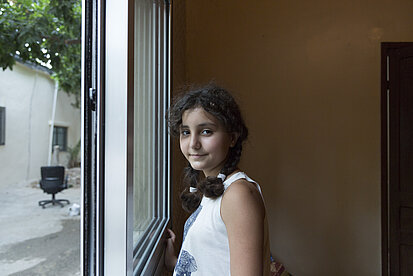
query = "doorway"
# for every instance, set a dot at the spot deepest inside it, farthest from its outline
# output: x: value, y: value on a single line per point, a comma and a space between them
x: 397, y: 158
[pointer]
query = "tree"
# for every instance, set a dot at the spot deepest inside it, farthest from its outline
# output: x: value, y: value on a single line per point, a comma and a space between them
x: 44, y: 32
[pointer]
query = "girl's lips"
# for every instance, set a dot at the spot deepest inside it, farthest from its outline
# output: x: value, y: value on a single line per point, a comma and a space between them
x: 197, y: 155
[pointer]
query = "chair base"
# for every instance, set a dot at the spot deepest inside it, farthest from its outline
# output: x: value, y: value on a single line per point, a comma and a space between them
x: 53, y: 201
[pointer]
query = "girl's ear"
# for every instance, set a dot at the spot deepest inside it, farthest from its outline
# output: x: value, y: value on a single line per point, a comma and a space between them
x: 234, y: 139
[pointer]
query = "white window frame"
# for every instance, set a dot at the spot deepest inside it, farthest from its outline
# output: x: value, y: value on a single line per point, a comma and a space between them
x: 118, y: 245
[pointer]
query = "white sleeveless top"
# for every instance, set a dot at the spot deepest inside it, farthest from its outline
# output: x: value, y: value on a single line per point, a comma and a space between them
x: 205, y: 246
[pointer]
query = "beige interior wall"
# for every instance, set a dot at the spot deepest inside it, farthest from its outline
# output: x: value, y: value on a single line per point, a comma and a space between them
x: 307, y: 76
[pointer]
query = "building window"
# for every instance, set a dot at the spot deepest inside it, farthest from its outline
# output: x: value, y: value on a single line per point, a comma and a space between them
x: 2, y: 125
x: 60, y: 137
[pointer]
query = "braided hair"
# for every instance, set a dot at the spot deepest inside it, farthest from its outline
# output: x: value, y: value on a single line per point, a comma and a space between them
x: 219, y: 103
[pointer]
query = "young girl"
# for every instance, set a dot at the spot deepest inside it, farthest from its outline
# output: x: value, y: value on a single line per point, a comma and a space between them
x: 227, y: 232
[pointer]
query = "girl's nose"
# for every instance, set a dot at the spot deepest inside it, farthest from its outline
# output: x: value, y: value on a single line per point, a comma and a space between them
x: 195, y: 143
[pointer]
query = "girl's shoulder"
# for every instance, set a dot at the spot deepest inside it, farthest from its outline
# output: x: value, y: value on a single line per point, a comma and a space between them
x: 240, y: 197
x: 242, y: 188
x: 241, y: 183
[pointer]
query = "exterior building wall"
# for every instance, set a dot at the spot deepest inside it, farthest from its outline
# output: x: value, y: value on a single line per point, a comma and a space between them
x: 27, y: 94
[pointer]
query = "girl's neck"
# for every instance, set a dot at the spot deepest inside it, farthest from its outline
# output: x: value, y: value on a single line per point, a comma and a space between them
x: 234, y: 172
x: 226, y: 177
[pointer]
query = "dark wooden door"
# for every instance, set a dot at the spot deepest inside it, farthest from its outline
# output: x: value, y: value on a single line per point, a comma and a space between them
x: 397, y: 158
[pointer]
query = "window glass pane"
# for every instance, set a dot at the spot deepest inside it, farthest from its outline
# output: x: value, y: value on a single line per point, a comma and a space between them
x: 54, y: 136
x: 2, y: 125
x: 144, y: 119
x: 60, y: 137
x: 150, y: 141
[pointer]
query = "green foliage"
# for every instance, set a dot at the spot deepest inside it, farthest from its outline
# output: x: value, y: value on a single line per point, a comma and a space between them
x: 44, y: 32
x: 74, y: 155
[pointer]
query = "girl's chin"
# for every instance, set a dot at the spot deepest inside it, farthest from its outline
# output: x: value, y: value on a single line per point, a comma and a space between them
x: 199, y: 166
x: 196, y: 166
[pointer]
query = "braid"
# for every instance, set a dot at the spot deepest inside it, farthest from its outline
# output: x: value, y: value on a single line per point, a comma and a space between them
x: 234, y: 156
x: 190, y: 200
x: 213, y: 187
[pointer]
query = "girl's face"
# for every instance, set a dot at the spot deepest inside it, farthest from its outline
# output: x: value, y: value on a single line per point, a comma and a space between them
x: 204, y: 141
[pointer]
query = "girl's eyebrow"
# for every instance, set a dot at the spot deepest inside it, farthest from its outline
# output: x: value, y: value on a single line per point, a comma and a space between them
x: 207, y: 124
x: 201, y: 125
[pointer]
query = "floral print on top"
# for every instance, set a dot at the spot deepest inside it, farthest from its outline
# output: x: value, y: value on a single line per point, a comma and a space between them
x: 191, y: 220
x: 186, y: 264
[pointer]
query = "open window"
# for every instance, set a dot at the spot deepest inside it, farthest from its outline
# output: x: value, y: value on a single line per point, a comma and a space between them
x: 126, y: 161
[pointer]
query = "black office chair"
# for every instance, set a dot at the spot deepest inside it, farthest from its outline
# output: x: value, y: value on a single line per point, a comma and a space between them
x: 53, y: 181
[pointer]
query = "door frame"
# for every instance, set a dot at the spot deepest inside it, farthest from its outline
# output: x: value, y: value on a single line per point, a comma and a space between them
x: 386, y: 49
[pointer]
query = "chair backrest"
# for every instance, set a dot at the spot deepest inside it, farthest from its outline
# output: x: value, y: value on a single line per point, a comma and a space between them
x: 52, y: 178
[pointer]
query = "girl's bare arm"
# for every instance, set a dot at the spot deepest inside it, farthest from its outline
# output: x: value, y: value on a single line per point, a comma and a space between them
x: 170, y: 257
x: 243, y: 212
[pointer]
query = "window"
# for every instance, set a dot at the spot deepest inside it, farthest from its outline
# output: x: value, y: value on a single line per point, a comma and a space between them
x: 60, y: 137
x: 133, y: 154
x: 2, y: 125
x: 151, y: 146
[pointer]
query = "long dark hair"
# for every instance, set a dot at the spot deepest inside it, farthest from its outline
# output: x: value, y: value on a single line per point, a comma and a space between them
x: 219, y: 103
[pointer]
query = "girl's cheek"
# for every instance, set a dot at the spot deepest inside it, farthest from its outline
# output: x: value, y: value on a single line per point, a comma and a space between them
x: 181, y: 145
x: 184, y: 146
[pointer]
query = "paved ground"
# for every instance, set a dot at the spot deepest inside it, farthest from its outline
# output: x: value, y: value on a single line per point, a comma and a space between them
x: 36, y: 241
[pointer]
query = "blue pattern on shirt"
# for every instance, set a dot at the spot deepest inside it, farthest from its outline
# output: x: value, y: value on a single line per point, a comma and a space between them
x: 186, y: 264
x: 191, y: 220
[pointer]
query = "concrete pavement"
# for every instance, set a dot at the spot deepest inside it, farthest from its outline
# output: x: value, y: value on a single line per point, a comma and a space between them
x: 37, y: 241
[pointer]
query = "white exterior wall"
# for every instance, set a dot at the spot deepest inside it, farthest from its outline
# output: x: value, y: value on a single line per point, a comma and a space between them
x: 27, y: 95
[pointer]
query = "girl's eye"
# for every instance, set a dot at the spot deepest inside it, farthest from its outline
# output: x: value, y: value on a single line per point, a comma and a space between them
x: 184, y: 132
x: 206, y: 132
